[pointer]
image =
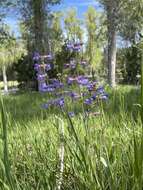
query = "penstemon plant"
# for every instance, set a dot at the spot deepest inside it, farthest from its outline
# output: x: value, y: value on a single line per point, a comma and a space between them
x: 75, y: 86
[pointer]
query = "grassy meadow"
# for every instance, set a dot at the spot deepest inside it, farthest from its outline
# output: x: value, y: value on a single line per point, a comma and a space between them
x: 47, y: 150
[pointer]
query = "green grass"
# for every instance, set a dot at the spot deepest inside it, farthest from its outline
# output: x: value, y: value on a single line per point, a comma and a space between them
x: 102, y: 152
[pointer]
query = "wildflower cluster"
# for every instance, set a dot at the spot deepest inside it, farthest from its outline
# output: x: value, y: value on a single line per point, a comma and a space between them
x: 88, y: 92
x: 42, y: 65
x: 77, y: 64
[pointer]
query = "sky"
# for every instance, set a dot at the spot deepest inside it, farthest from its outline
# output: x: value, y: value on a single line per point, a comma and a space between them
x: 80, y: 5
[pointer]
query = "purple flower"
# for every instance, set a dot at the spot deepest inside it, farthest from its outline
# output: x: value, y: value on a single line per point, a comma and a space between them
x: 73, y: 65
x: 90, y: 87
x: 70, y: 80
x: 84, y: 94
x: 48, y: 67
x: 82, y: 80
x: 55, y: 80
x: 41, y: 77
x: 100, y: 90
x: 67, y: 65
x: 43, y: 85
x: 49, y: 57
x: 60, y: 102
x: 74, y: 95
x: 104, y: 97
x: 45, y: 106
x: 71, y: 114
x: 94, y: 96
x: 69, y: 46
x: 83, y: 63
x: 50, y: 89
x: 36, y: 67
x: 57, y: 84
x: 36, y: 56
x: 88, y: 101
x: 77, y: 46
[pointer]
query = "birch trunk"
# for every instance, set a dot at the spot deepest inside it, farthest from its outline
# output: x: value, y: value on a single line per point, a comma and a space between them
x: 5, y: 82
x: 112, y: 49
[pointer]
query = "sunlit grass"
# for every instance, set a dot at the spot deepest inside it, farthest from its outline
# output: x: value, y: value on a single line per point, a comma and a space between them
x: 101, y: 152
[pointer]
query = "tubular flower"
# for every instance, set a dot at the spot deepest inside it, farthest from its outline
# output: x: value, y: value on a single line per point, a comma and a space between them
x: 36, y: 56
x: 41, y: 77
x: 82, y: 80
x: 48, y: 67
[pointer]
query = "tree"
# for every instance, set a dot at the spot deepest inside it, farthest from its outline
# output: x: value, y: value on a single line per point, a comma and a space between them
x: 35, y: 29
x: 73, y: 28
x: 121, y: 20
x: 56, y: 33
x: 93, y: 50
x: 131, y: 23
x: 112, y: 9
x: 39, y: 23
x: 9, y: 52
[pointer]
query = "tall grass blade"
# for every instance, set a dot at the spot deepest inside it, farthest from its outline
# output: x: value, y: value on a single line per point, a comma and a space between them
x: 5, y: 146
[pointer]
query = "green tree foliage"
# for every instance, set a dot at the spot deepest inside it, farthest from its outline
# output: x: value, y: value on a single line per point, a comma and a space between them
x: 73, y: 28
x: 39, y: 25
x: 35, y: 20
x: 130, y: 27
x: 10, y: 51
x: 131, y: 20
x: 128, y: 65
x: 93, y: 49
x: 56, y: 33
x: 35, y: 29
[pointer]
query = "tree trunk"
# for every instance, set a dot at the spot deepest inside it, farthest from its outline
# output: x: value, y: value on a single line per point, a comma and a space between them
x: 5, y: 79
x: 112, y: 49
x: 40, y: 26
